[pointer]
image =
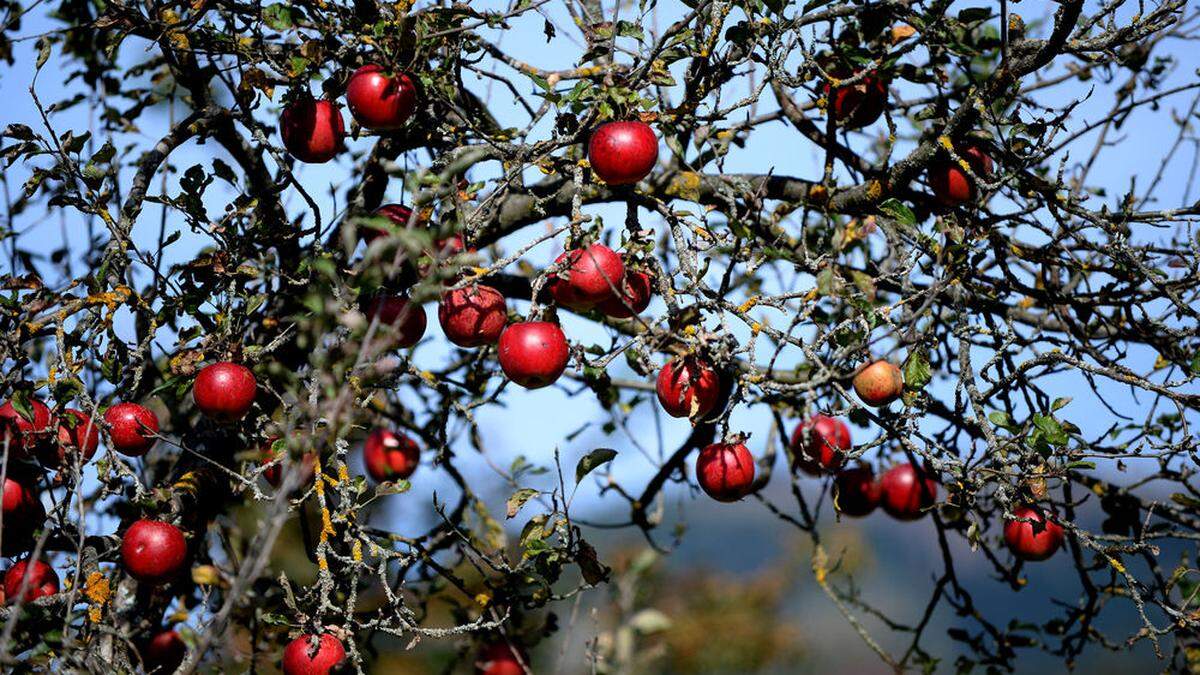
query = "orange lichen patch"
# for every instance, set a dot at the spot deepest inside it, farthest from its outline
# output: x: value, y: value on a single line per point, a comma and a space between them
x: 97, y: 588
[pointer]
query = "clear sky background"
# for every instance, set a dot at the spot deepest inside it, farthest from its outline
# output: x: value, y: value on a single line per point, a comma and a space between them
x: 534, y: 423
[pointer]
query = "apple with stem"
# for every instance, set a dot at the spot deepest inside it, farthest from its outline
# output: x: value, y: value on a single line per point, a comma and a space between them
x: 473, y: 316
x: 879, y: 384
x: 533, y: 354
x: 30, y: 579
x: 856, y: 492
x: 153, y: 551
x: 312, y: 129
x: 623, y: 153
x: 313, y: 655
x: 951, y: 184
x: 380, y: 99
x: 589, y: 276
x: 1031, y: 536
x: 406, y: 320
x: 823, y: 441
x: 225, y: 391
x: 132, y: 428
x: 906, y: 492
x: 22, y: 432
x: 688, y: 386
x: 725, y: 471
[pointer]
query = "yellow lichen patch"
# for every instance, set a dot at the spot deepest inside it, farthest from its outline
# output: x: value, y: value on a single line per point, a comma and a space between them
x: 818, y: 194
x: 97, y: 588
x: 945, y: 142
x: 95, y: 613
x: 1025, y: 302
x: 483, y: 599
x: 874, y: 190
x: 357, y: 551
x: 748, y: 305
x: 686, y: 185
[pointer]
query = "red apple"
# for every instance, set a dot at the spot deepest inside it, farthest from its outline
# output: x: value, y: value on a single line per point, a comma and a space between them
x: 77, y: 433
x: 405, y: 318
x: 37, y: 581
x: 879, y: 384
x: 379, y: 99
x: 390, y: 455
x: 591, y: 276
x: 225, y: 391
x: 951, y: 185
x: 312, y: 130
x: 856, y: 492
x: 312, y: 655
x: 473, y: 315
x: 859, y: 104
x: 1032, y: 536
x: 499, y: 658
x: 688, y: 387
x: 20, y: 434
x: 623, y: 153
x: 274, y: 472
x: 163, y: 652
x: 634, y: 298
x: 725, y: 471
x: 21, y: 504
x: 131, y: 428
x: 400, y: 215
x: 153, y: 551
x: 533, y: 353
x: 906, y: 492
x: 824, y: 440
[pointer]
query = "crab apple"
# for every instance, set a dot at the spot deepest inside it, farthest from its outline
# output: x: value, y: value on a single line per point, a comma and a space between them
x: 131, y: 428
x: 859, y: 104
x: 906, y: 492
x: 406, y: 318
x: 533, y: 353
x: 313, y: 655
x: 163, y: 652
x: 824, y: 440
x: 500, y: 658
x: 688, y: 387
x: 623, y: 153
x: 634, y: 298
x: 312, y: 130
x: 38, y: 581
x: 951, y: 185
x: 879, y: 384
x: 725, y: 471
x: 20, y: 434
x: 153, y: 551
x: 856, y: 492
x: 473, y: 315
x: 379, y: 99
x: 77, y: 432
x: 390, y: 455
x: 1032, y: 536
x: 225, y: 391
x: 590, y: 276
x: 400, y: 215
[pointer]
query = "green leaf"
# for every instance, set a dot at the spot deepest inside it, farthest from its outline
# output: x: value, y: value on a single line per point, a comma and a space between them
x: 917, y: 372
x: 898, y: 211
x: 21, y: 403
x: 1051, y: 430
x: 1081, y: 465
x: 1185, y: 500
x: 1060, y: 403
x: 1195, y: 366
x: 392, y: 487
x: 1003, y: 420
x: 593, y: 459
x: 278, y: 16
x: 518, y: 500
